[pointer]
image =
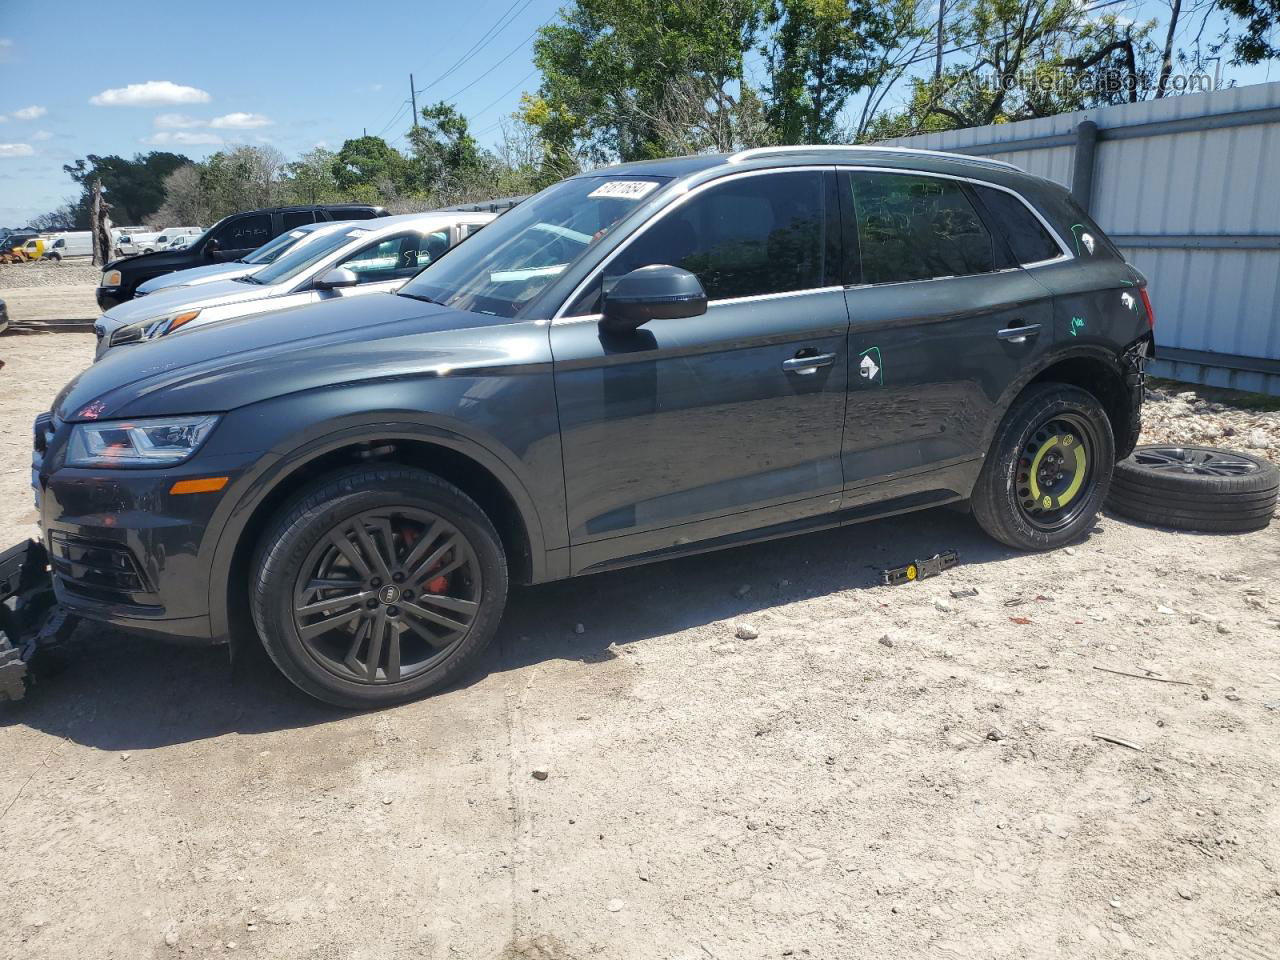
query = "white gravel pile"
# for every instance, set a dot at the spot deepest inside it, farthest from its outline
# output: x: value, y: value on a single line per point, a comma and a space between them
x: 1185, y: 418
x: 47, y: 274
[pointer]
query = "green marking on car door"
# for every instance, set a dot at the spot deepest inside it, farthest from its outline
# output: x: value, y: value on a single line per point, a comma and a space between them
x: 1077, y: 324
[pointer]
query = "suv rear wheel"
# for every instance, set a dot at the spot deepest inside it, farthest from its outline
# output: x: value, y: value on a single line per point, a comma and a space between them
x: 1048, y: 470
x: 378, y: 585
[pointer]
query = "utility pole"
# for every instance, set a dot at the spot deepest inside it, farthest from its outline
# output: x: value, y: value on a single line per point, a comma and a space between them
x: 937, y: 64
x: 413, y: 99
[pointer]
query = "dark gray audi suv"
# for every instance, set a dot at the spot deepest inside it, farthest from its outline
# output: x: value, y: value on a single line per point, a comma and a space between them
x: 645, y: 361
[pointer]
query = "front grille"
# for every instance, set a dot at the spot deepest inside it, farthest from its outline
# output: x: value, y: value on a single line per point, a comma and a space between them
x: 96, y: 566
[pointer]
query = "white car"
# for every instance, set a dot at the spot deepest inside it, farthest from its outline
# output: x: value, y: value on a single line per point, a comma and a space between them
x: 267, y: 253
x: 368, y: 257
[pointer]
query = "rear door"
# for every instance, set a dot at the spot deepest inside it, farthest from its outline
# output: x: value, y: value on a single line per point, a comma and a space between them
x: 242, y: 235
x: 701, y: 427
x: 942, y: 322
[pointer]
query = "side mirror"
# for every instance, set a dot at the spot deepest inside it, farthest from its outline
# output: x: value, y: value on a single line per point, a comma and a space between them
x: 335, y: 278
x: 211, y: 248
x: 657, y: 292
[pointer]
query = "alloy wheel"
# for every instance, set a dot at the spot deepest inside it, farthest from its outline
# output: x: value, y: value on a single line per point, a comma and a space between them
x: 386, y: 594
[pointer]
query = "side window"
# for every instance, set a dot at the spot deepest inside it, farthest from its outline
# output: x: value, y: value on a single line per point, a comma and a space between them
x: 1027, y: 237
x: 245, y: 233
x: 390, y: 259
x: 917, y: 228
x: 467, y: 229
x: 432, y: 247
x: 296, y: 218
x: 746, y: 237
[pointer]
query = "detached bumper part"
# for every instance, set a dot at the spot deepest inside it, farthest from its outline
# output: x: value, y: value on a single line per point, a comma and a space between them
x: 30, y: 619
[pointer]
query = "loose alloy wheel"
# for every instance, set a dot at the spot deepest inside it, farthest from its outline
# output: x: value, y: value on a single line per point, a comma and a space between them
x: 377, y: 585
x: 385, y: 594
x: 1048, y: 468
x: 1196, y: 488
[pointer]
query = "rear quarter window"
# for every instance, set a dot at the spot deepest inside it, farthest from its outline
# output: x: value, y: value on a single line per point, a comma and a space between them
x: 1028, y: 239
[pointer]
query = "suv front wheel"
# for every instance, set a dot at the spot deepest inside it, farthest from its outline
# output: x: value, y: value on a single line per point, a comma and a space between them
x: 1048, y: 470
x: 377, y: 585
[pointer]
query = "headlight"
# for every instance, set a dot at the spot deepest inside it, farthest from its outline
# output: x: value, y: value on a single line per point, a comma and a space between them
x: 138, y: 443
x: 155, y: 327
x: 111, y: 279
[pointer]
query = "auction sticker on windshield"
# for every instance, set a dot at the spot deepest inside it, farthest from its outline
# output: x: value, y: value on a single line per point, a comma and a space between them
x: 624, y: 189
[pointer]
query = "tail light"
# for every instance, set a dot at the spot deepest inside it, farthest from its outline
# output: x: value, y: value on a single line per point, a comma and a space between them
x: 1146, y: 302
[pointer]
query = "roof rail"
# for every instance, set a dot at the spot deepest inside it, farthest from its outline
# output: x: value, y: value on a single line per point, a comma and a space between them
x: 914, y: 151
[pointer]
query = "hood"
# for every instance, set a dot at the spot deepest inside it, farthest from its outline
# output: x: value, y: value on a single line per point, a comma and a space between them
x: 173, y: 299
x: 161, y: 260
x: 232, y: 364
x: 197, y: 275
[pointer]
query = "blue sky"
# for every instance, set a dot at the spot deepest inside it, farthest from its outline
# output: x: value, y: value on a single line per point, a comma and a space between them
x: 319, y: 72
x: 294, y: 75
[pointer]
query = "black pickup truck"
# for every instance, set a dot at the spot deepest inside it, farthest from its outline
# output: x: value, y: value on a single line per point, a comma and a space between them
x: 229, y: 239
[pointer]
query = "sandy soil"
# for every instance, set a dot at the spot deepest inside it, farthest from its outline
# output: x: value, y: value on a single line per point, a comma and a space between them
x: 896, y: 772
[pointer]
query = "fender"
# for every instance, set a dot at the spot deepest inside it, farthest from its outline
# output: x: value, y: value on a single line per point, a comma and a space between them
x: 1112, y: 360
x: 251, y: 489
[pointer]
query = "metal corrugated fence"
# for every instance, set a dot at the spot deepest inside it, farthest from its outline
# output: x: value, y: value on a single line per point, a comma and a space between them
x: 1189, y: 188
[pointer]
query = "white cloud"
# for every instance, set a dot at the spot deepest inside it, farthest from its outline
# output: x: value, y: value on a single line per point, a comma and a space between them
x: 178, y: 121
x: 42, y: 135
x: 16, y: 150
x: 29, y: 113
x: 240, y: 121
x: 182, y: 138
x: 6, y: 48
x: 153, y: 93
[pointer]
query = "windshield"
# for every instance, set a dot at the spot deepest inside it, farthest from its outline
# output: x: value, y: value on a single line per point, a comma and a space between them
x: 305, y: 255
x: 510, y: 261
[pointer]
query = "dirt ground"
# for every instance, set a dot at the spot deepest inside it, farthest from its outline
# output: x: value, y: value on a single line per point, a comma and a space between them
x: 888, y: 772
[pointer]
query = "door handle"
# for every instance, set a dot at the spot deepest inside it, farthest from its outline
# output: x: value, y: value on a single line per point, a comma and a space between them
x: 808, y: 365
x: 1019, y: 334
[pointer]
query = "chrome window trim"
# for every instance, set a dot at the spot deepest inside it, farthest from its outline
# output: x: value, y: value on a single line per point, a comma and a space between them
x: 677, y: 201
x: 754, y: 298
x: 1064, y: 250
x: 1064, y: 255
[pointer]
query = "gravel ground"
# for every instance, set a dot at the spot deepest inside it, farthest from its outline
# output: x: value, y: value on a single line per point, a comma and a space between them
x: 1181, y: 416
x: 47, y: 274
x: 890, y: 772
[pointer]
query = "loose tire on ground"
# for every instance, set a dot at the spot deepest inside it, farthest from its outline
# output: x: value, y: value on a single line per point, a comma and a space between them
x: 1048, y: 469
x: 445, y: 570
x: 1195, y: 488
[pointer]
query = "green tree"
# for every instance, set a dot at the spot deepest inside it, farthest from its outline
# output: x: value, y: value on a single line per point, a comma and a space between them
x: 818, y: 58
x: 134, y: 188
x: 1258, y: 42
x: 310, y: 178
x: 370, y: 162
x: 442, y: 150
x: 608, y: 65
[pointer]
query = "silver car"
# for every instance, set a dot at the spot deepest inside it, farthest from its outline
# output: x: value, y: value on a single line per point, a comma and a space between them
x: 267, y: 253
x: 357, y: 259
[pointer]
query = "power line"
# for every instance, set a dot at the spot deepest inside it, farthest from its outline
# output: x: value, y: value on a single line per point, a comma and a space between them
x: 497, y: 100
x: 485, y: 39
x: 498, y: 63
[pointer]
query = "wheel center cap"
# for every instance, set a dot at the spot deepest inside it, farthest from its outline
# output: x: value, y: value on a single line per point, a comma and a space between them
x: 389, y: 594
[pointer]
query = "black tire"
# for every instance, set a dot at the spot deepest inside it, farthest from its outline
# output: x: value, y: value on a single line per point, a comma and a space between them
x: 1195, y: 488
x: 1002, y: 499
x: 364, y: 503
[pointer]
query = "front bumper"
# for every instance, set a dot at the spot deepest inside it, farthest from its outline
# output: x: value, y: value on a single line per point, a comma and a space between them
x: 125, y: 550
x: 109, y: 297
